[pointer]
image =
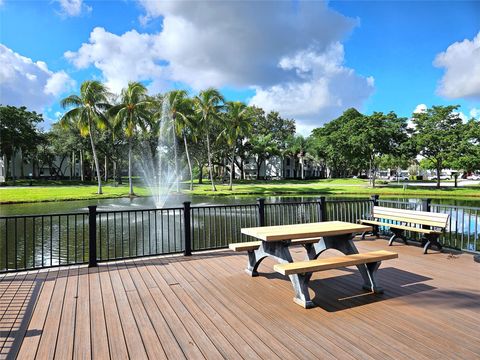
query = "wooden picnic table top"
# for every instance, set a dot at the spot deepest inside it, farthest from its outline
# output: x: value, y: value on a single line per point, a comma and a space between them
x: 301, y: 231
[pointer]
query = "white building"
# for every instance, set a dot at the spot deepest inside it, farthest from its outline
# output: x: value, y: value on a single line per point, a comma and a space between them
x: 278, y: 167
x: 61, y: 167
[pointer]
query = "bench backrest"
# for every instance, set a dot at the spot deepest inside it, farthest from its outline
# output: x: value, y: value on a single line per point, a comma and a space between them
x: 433, y: 219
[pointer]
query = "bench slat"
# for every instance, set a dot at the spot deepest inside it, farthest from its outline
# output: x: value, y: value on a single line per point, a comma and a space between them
x: 416, y: 212
x: 412, y: 220
x: 300, y: 267
x: 246, y: 246
x: 403, y: 227
x: 411, y: 216
x: 254, y: 245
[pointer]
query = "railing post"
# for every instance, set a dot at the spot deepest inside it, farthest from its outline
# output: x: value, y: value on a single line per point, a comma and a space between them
x: 375, y: 199
x: 323, y: 209
x: 426, y: 206
x: 261, y: 211
x: 92, y: 235
x: 187, y: 229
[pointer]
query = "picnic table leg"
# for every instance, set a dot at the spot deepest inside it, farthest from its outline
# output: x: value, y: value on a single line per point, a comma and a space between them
x: 300, y: 287
x: 371, y: 285
x: 276, y: 249
x: 280, y: 252
x: 344, y: 243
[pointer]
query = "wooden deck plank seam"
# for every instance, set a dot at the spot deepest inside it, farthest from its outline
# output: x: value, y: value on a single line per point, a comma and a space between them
x: 203, y: 342
x: 248, y: 316
x: 189, y: 270
x: 145, y: 332
x: 222, y: 325
x: 113, y: 270
x: 169, y: 313
x: 208, y: 311
x: 6, y: 335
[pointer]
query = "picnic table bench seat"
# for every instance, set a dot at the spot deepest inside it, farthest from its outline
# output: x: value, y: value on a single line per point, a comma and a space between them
x: 430, y: 224
x: 254, y: 245
x: 305, y: 269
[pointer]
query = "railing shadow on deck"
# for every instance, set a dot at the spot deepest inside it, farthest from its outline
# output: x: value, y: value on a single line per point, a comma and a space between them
x: 11, y: 336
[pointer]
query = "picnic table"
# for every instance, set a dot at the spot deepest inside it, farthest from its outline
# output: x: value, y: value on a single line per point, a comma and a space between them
x: 316, y: 238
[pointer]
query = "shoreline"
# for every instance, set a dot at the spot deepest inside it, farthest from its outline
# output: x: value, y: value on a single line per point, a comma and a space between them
x: 447, y: 193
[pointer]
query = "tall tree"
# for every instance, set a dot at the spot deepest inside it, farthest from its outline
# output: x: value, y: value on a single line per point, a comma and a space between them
x: 268, y: 136
x: 181, y: 108
x: 374, y: 136
x: 208, y: 105
x: 18, y: 131
x: 438, y: 135
x: 468, y: 157
x: 88, y: 114
x: 238, y: 125
x: 130, y: 115
x: 297, y: 147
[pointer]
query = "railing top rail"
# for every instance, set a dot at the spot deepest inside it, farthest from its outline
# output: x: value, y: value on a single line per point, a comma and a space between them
x: 349, y: 201
x: 292, y: 203
x: 137, y: 210
x: 397, y: 201
x: 221, y: 206
x: 455, y: 207
x: 42, y: 215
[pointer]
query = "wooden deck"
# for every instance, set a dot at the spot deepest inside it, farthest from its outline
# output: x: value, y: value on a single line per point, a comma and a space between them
x: 207, y: 307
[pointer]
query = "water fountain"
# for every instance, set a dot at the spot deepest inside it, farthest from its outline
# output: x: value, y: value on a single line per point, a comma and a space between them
x: 161, y: 167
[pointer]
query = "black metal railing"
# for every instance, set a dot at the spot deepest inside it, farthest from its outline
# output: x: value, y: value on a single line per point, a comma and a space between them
x: 463, y: 226
x: 38, y: 241
x: 214, y: 227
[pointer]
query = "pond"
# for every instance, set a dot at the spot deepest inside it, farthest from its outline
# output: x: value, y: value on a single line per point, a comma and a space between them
x: 177, y: 200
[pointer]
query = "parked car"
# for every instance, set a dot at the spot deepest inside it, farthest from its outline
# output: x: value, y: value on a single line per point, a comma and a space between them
x: 442, y: 177
x: 400, y: 178
x: 473, y: 177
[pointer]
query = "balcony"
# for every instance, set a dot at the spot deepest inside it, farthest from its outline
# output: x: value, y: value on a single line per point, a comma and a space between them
x: 206, y: 306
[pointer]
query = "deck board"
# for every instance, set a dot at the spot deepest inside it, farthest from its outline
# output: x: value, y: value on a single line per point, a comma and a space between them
x: 206, y: 306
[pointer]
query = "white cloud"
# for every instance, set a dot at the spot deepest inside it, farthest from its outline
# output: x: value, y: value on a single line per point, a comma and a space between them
x: 461, y: 61
x: 475, y: 113
x: 420, y: 108
x: 282, y: 48
x: 24, y: 82
x: 73, y: 7
x: 324, y: 88
x: 59, y: 83
x: 129, y: 57
x: 461, y: 115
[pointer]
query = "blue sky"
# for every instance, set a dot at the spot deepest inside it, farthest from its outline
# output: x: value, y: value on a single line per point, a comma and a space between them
x: 308, y: 60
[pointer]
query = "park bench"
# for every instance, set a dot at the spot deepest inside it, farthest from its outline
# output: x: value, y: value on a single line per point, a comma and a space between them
x: 430, y: 225
x: 305, y: 269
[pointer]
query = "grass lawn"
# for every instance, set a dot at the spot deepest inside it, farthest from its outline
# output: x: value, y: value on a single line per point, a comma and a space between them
x: 332, y: 187
x: 59, y: 193
x: 62, y: 191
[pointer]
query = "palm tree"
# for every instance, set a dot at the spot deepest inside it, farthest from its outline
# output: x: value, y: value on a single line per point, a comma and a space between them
x: 208, y: 105
x: 88, y: 113
x: 132, y: 113
x: 238, y: 125
x: 181, y: 109
x: 297, y: 147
